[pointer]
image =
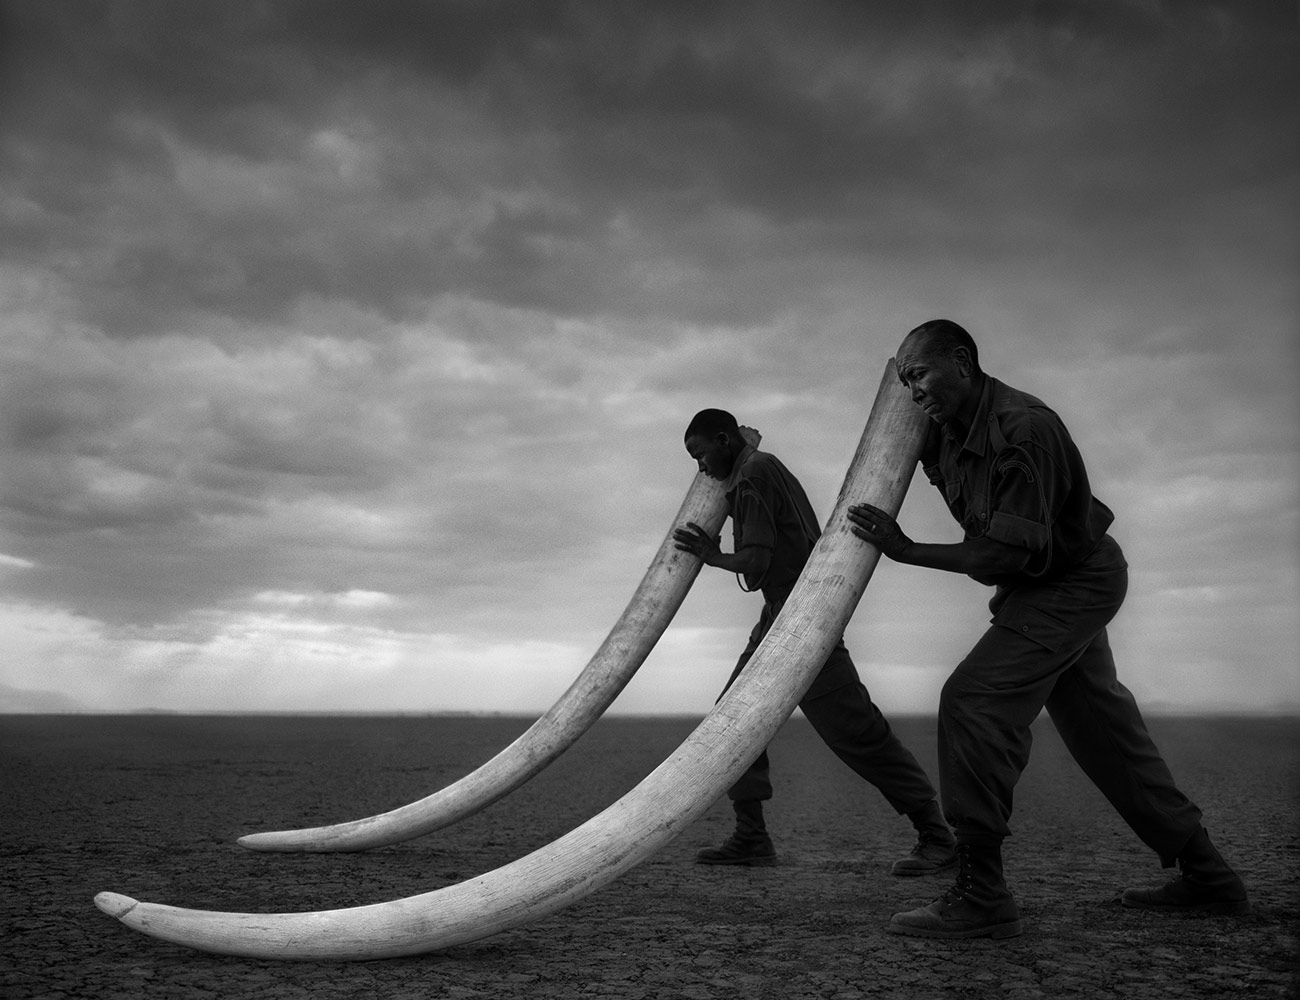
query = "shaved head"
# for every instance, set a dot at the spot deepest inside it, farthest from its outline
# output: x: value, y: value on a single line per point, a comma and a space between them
x: 942, y: 337
x: 708, y: 423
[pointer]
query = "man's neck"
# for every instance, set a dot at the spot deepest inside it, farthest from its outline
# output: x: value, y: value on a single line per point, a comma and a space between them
x: 959, y: 427
x: 737, y: 459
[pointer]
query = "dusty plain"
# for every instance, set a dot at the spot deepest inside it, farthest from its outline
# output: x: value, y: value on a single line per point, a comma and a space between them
x: 150, y: 806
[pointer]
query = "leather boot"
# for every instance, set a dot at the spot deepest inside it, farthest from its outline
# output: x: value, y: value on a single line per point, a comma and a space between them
x: 1205, y: 884
x: 978, y: 905
x: 936, y: 848
x: 749, y: 845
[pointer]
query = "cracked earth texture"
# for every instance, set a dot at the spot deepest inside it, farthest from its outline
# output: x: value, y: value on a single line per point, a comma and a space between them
x: 150, y: 805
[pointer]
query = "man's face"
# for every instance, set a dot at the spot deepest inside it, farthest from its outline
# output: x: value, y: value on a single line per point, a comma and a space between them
x: 711, y: 454
x: 940, y: 382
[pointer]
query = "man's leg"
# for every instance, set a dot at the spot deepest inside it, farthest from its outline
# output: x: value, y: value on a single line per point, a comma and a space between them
x: 840, y: 709
x: 1040, y: 633
x: 985, y: 712
x: 1101, y: 725
x: 1104, y: 731
x: 986, y: 708
x: 749, y: 844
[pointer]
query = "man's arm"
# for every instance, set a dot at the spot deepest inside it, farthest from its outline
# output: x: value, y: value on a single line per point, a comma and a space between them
x: 751, y: 560
x: 973, y: 557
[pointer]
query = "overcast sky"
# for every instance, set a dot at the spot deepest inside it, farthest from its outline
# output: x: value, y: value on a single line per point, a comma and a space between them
x: 346, y: 349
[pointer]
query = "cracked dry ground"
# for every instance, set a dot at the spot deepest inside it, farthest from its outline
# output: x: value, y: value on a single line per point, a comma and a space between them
x: 150, y: 806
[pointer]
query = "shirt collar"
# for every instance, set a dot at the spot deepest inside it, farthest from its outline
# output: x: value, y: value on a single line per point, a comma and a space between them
x: 752, y: 438
x: 978, y: 435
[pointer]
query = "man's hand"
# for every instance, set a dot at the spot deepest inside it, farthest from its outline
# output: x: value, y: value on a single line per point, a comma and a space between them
x: 697, y: 542
x: 873, y: 525
x: 977, y: 557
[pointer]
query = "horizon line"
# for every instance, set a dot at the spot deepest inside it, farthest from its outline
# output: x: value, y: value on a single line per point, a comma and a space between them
x: 1168, y: 711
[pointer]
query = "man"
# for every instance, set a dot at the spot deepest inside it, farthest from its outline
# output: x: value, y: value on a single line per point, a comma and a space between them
x: 774, y: 530
x: 1014, y: 480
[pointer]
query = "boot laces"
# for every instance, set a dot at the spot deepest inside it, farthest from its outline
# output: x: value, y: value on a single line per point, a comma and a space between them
x: 964, y: 884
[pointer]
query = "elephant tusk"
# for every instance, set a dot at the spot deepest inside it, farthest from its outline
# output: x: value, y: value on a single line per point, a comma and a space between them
x: 656, y: 600
x: 671, y: 797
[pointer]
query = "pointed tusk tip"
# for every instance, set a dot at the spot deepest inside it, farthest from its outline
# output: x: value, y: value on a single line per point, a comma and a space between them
x: 115, y: 904
x: 266, y: 842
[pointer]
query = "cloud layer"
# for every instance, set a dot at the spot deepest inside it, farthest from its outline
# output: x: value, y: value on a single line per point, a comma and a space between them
x: 346, y: 348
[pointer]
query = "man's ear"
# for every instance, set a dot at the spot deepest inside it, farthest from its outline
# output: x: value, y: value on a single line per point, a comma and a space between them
x: 961, y: 355
x: 724, y: 439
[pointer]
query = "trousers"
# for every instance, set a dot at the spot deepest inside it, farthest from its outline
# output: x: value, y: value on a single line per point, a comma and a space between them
x: 842, y: 713
x: 1047, y: 647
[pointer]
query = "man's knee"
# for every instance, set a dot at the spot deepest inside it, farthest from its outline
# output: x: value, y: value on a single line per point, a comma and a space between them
x: 957, y: 694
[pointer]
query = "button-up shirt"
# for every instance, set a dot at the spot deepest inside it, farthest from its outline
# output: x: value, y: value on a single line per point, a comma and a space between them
x: 1017, y: 477
x: 770, y: 509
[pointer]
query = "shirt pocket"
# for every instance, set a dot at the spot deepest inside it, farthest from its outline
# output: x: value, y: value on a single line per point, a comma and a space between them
x: 970, y: 507
x: 952, y: 496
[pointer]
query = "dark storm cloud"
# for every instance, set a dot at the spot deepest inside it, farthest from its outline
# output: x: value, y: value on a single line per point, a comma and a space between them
x: 824, y: 121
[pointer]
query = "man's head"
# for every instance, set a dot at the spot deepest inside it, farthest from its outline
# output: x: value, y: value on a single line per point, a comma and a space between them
x: 713, y: 440
x: 939, y: 364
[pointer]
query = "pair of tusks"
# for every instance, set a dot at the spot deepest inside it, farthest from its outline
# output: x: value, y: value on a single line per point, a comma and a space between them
x: 668, y: 800
x: 652, y: 607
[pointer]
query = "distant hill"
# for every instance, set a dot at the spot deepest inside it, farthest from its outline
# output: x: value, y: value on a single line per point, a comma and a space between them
x: 21, y: 701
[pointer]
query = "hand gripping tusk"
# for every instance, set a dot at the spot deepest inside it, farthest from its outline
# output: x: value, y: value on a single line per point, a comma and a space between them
x: 671, y: 797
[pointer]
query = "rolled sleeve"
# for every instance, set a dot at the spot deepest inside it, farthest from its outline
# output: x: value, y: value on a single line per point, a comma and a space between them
x: 1021, y: 532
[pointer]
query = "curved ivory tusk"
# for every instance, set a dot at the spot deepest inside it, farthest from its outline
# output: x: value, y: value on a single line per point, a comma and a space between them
x: 660, y: 807
x: 652, y: 607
